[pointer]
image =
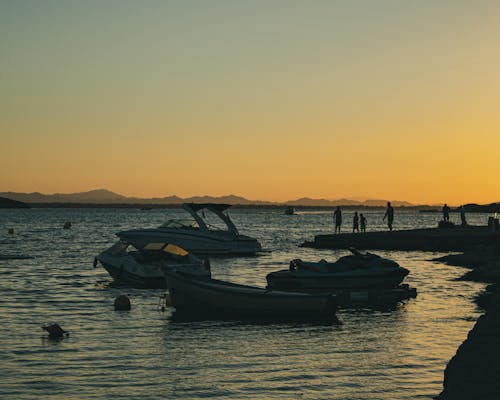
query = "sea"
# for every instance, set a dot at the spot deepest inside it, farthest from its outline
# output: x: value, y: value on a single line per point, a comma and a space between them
x: 142, y: 354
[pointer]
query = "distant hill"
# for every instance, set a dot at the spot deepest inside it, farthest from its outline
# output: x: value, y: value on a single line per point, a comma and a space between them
x: 485, y: 208
x: 9, y: 203
x: 380, y: 203
x: 305, y: 201
x: 102, y: 196
x: 93, y: 196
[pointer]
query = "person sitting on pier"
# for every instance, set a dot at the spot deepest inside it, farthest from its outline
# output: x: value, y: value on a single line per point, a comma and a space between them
x: 446, y: 213
x: 337, y: 217
x: 355, y: 223
x: 362, y: 222
x: 389, y: 214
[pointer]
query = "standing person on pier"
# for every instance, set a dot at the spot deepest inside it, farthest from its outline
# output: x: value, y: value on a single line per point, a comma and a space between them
x: 462, y: 216
x: 362, y: 222
x: 389, y: 214
x: 446, y: 213
x: 337, y: 218
x: 355, y: 223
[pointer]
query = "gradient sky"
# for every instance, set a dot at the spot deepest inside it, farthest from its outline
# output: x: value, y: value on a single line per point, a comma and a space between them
x: 270, y: 100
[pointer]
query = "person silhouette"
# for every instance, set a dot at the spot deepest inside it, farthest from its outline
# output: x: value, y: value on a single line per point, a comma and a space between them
x: 446, y: 213
x: 462, y: 216
x: 337, y: 218
x: 355, y: 222
x: 362, y: 222
x: 389, y: 214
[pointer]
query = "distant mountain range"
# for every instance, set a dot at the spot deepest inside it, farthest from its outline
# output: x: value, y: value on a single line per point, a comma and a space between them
x: 9, y: 203
x: 102, y: 196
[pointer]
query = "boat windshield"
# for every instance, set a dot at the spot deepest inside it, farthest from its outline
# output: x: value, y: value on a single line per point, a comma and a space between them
x: 181, y: 224
x: 118, y: 248
x: 154, y: 246
x: 188, y: 224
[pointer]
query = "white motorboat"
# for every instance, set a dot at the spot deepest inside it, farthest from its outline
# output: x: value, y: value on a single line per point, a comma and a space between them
x: 145, y: 267
x: 196, y: 235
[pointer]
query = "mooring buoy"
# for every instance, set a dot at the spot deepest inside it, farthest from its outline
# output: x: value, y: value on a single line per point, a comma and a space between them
x: 122, y: 303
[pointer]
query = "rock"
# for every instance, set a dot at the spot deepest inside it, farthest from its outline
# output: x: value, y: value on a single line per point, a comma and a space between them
x: 55, y: 331
x: 474, y: 370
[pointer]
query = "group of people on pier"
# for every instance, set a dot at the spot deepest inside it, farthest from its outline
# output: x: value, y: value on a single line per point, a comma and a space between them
x: 359, y: 221
x: 446, y: 214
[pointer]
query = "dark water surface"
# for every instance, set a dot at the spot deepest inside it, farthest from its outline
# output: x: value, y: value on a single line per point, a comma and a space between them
x: 399, y: 354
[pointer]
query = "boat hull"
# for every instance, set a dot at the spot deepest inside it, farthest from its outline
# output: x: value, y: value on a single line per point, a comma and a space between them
x: 196, y: 242
x: 216, y: 299
x: 308, y: 281
x: 125, y: 276
x: 125, y: 270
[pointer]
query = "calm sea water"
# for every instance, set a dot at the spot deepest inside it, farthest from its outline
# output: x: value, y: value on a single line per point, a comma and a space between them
x: 399, y: 354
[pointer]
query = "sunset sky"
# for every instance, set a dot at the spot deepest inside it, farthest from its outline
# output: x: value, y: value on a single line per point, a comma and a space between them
x: 271, y: 100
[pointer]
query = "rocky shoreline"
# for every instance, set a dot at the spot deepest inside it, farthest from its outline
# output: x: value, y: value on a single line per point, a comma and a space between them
x: 474, y: 371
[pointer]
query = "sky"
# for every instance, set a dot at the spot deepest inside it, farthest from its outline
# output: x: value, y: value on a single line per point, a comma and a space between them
x: 266, y: 99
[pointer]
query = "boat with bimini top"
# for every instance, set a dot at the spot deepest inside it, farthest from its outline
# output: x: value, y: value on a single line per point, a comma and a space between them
x: 196, y: 235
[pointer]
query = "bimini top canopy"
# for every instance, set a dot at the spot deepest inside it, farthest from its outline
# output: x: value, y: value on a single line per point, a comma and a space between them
x: 210, y: 206
x: 216, y: 208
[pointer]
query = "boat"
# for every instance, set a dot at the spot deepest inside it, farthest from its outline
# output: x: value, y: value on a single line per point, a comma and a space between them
x: 356, y: 271
x: 195, y: 235
x: 144, y: 267
x: 289, y: 210
x: 215, y: 299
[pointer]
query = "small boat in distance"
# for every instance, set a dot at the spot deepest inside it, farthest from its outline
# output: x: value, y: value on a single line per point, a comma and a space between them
x: 144, y: 268
x: 213, y: 299
x: 289, y: 210
x: 356, y: 271
x: 195, y: 235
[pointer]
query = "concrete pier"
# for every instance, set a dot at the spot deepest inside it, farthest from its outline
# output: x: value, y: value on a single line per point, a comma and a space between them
x: 431, y: 239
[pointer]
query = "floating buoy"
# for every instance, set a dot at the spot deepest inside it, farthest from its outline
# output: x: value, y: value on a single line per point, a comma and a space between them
x: 11, y: 231
x: 55, y: 331
x: 67, y: 225
x: 122, y: 303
